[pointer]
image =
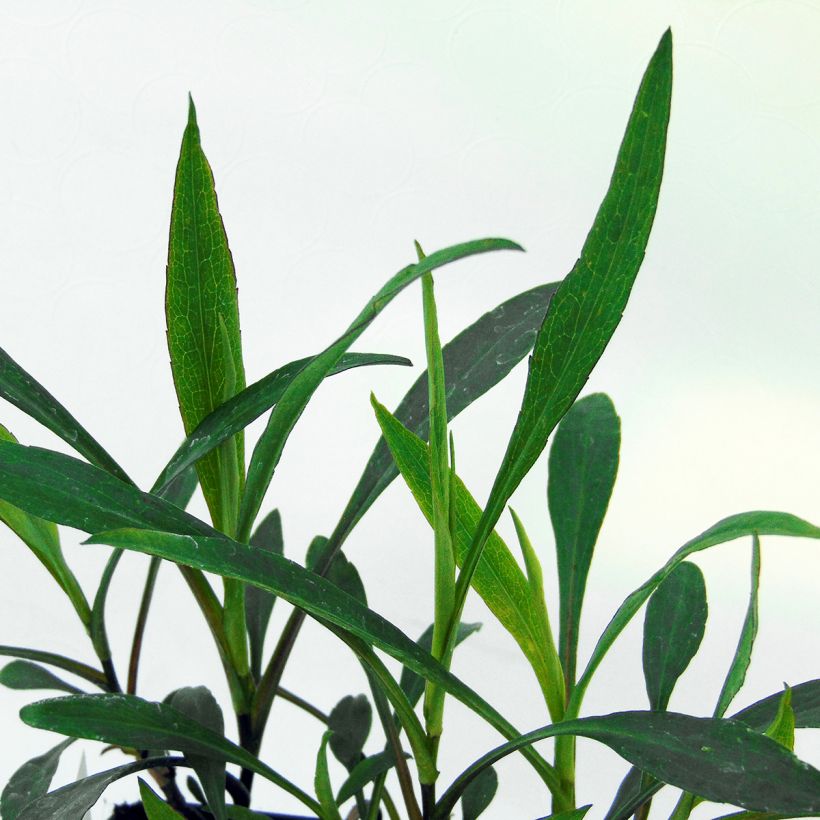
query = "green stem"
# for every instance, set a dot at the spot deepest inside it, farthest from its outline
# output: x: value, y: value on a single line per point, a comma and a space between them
x: 139, y: 627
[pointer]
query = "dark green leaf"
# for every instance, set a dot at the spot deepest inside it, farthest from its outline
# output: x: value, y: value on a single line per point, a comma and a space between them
x: 572, y: 814
x: 364, y: 772
x: 479, y: 794
x: 259, y: 602
x: 805, y: 705
x: 30, y: 781
x: 589, y: 303
x: 155, y: 807
x: 198, y: 704
x: 673, y: 629
x: 583, y: 463
x: 322, y: 785
x: 24, y: 392
x: 26, y: 675
x: 350, y: 723
x: 78, y: 668
x: 635, y: 789
x: 75, y: 799
x: 125, y: 720
x: 293, y: 401
x: 341, y: 572
x: 99, y: 635
x: 246, y: 406
x: 180, y: 489
x: 202, y: 315
x: 721, y: 760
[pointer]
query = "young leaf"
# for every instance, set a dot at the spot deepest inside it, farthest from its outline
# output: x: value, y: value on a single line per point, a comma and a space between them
x: 479, y: 794
x: 349, y: 724
x: 589, y: 303
x: 27, y: 394
x: 498, y: 579
x: 364, y: 772
x: 155, y: 807
x: 743, y: 653
x: 30, y: 781
x: 202, y: 316
x: 781, y: 728
x: 198, y: 704
x: 322, y: 785
x: 583, y: 463
x: 246, y: 406
x: 722, y: 760
x: 673, y: 629
x: 258, y: 602
x: 125, y: 720
x: 293, y: 401
x: 26, y: 675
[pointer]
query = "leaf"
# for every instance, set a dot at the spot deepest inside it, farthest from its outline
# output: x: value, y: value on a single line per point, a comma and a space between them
x: 198, y: 704
x: 246, y: 406
x: 589, y: 303
x: 258, y: 602
x: 572, y: 814
x: 78, y: 668
x: 26, y: 675
x: 781, y: 728
x: 721, y: 760
x: 479, y: 794
x: 30, y: 781
x: 583, y: 463
x: 129, y: 721
x: 805, y: 703
x: 635, y: 789
x: 743, y: 653
x: 673, y: 629
x: 364, y: 772
x: 322, y: 785
x: 200, y: 300
x: 74, y: 800
x: 289, y: 408
x: 99, y: 636
x: 349, y: 723
x: 412, y: 685
x: 498, y: 579
x: 155, y: 807
x: 341, y: 572
x: 27, y: 394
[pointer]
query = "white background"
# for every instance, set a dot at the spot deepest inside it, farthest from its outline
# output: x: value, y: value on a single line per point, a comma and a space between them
x: 338, y: 133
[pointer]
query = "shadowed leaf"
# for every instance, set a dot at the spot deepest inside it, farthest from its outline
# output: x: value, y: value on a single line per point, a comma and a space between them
x: 26, y: 675
x: 30, y: 781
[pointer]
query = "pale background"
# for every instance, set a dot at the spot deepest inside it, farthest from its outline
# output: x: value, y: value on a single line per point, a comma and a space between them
x: 338, y: 133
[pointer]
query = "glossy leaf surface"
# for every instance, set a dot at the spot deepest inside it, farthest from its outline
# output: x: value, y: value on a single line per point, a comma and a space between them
x: 30, y: 781
x: 583, y: 463
x: 26, y: 675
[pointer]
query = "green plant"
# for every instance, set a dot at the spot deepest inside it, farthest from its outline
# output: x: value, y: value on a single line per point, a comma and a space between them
x: 746, y: 761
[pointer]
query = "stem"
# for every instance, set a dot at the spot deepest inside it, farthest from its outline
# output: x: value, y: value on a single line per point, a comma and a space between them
x: 139, y: 628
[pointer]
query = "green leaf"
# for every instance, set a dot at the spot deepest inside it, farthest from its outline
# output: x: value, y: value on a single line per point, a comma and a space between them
x: 30, y: 781
x: 198, y: 704
x: 572, y: 814
x: 259, y: 602
x: 805, y: 703
x: 722, y: 760
x: 673, y: 630
x: 781, y: 728
x: 322, y: 785
x: 42, y: 538
x: 202, y: 316
x: 743, y: 653
x: 479, y: 794
x: 349, y: 724
x: 125, y: 720
x: 74, y: 800
x: 289, y: 408
x: 364, y: 772
x: 78, y: 668
x: 589, y: 303
x: 498, y: 579
x: 312, y: 593
x: 99, y: 636
x: 26, y: 675
x: 155, y: 807
x: 27, y: 394
x: 583, y: 463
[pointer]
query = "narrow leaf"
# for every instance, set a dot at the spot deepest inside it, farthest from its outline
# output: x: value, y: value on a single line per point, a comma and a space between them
x: 781, y: 728
x: 583, y: 463
x: 364, y: 772
x: 572, y: 814
x: 155, y: 807
x: 673, y: 629
x: 78, y: 668
x: 30, y: 781
x: 349, y: 724
x: 805, y: 703
x: 289, y: 408
x: 322, y: 785
x: 99, y: 636
x: 26, y: 675
x: 479, y: 794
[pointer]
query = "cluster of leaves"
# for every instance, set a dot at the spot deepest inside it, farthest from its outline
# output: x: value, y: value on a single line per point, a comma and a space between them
x: 746, y: 761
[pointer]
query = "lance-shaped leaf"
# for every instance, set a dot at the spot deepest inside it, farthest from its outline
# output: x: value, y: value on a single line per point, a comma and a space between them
x: 498, y: 579
x: 722, y: 760
x: 293, y: 401
x: 782, y: 727
x: 349, y: 723
x: 27, y: 675
x: 78, y: 668
x: 673, y: 629
x: 589, y: 303
x: 364, y: 772
x: 155, y: 807
x: 76, y: 799
x: 202, y: 316
x: 805, y: 704
x: 572, y: 814
x: 479, y: 794
x: 125, y: 720
x: 322, y: 785
x: 583, y: 463
x: 27, y: 394
x: 30, y: 781
x: 258, y: 602
x: 246, y: 406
